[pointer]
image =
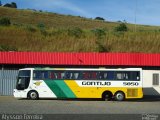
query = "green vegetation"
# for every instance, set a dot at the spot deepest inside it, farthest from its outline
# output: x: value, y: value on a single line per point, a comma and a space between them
x: 121, y: 28
x: 5, y: 21
x: 42, y: 31
x: 11, y: 5
x: 7, y: 48
x: 76, y: 32
x: 99, y: 18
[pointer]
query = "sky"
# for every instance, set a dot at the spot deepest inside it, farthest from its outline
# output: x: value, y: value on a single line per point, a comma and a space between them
x: 146, y: 12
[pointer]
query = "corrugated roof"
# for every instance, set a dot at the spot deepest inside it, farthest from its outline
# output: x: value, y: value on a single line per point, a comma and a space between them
x: 57, y: 58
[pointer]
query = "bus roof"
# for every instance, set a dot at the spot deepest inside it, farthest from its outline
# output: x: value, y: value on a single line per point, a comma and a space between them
x: 47, y: 68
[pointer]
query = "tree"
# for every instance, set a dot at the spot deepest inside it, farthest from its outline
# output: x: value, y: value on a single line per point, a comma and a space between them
x: 12, y: 5
x: 7, y: 5
x: 119, y: 21
x: 99, y: 18
x: 121, y: 28
x: 0, y: 3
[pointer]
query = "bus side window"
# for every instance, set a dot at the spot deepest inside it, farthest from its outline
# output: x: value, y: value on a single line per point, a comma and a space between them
x: 60, y: 75
x: 80, y: 75
x: 110, y: 75
x: 120, y: 76
x: 105, y: 75
x: 36, y: 75
x: 72, y: 75
x: 75, y: 75
x: 68, y: 75
x: 101, y: 75
x: 44, y: 74
x: 86, y: 75
x: 123, y: 75
x: 93, y: 75
x: 126, y: 75
x: 52, y: 75
x: 136, y: 75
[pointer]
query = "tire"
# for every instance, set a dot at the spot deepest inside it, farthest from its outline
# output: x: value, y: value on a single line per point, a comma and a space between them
x: 119, y: 96
x: 107, y: 96
x: 33, y: 95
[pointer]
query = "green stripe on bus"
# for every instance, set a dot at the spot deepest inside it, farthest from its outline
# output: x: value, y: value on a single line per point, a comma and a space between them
x: 55, y: 88
x: 65, y: 88
x: 60, y: 88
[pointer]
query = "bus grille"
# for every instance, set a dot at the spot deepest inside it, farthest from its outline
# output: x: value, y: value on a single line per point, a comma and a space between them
x: 132, y: 92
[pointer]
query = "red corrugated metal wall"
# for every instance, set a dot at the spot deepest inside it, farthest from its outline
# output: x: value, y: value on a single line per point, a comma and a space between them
x: 57, y: 58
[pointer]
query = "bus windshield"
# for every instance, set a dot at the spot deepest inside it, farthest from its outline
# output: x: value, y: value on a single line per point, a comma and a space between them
x: 23, y: 79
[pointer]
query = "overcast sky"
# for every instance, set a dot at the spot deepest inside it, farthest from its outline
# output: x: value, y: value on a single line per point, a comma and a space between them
x: 145, y: 11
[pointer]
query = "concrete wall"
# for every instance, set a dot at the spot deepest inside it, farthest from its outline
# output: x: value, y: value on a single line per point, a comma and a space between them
x: 7, y: 80
x: 149, y: 88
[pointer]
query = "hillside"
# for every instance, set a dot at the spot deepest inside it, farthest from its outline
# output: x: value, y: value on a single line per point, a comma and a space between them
x: 43, y: 31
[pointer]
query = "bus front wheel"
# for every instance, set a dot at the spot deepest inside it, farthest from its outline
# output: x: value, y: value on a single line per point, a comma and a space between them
x: 119, y: 96
x: 33, y: 95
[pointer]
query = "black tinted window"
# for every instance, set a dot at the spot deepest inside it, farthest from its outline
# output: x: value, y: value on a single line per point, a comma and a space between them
x: 24, y: 73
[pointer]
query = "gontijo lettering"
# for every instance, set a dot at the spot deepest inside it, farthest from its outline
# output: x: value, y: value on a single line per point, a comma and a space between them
x: 96, y: 83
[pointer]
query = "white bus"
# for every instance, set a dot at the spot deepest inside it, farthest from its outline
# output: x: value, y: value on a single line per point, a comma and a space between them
x: 118, y: 84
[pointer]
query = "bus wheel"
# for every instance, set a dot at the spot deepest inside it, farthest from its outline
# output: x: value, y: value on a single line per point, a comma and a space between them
x: 106, y: 96
x: 33, y: 95
x: 119, y: 96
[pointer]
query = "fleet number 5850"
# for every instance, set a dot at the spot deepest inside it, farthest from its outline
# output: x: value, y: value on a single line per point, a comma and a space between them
x: 130, y: 83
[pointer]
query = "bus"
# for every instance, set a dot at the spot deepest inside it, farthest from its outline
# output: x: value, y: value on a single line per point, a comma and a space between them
x: 62, y: 83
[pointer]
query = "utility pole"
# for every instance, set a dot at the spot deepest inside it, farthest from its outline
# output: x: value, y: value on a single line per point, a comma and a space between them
x: 135, y: 25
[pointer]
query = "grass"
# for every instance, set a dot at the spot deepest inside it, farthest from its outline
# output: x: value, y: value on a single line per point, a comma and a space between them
x: 59, y: 34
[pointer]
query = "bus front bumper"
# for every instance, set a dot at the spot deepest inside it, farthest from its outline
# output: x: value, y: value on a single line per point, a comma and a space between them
x: 19, y: 93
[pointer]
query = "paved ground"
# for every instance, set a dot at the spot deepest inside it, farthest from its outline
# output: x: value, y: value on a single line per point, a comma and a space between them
x: 10, y: 105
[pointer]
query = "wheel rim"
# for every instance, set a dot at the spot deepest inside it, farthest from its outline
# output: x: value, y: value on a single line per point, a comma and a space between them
x: 120, y: 96
x: 107, y: 97
x: 33, y: 95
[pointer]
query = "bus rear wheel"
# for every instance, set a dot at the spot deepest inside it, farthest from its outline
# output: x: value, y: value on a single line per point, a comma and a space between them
x: 33, y: 95
x: 119, y: 96
x: 107, y: 96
